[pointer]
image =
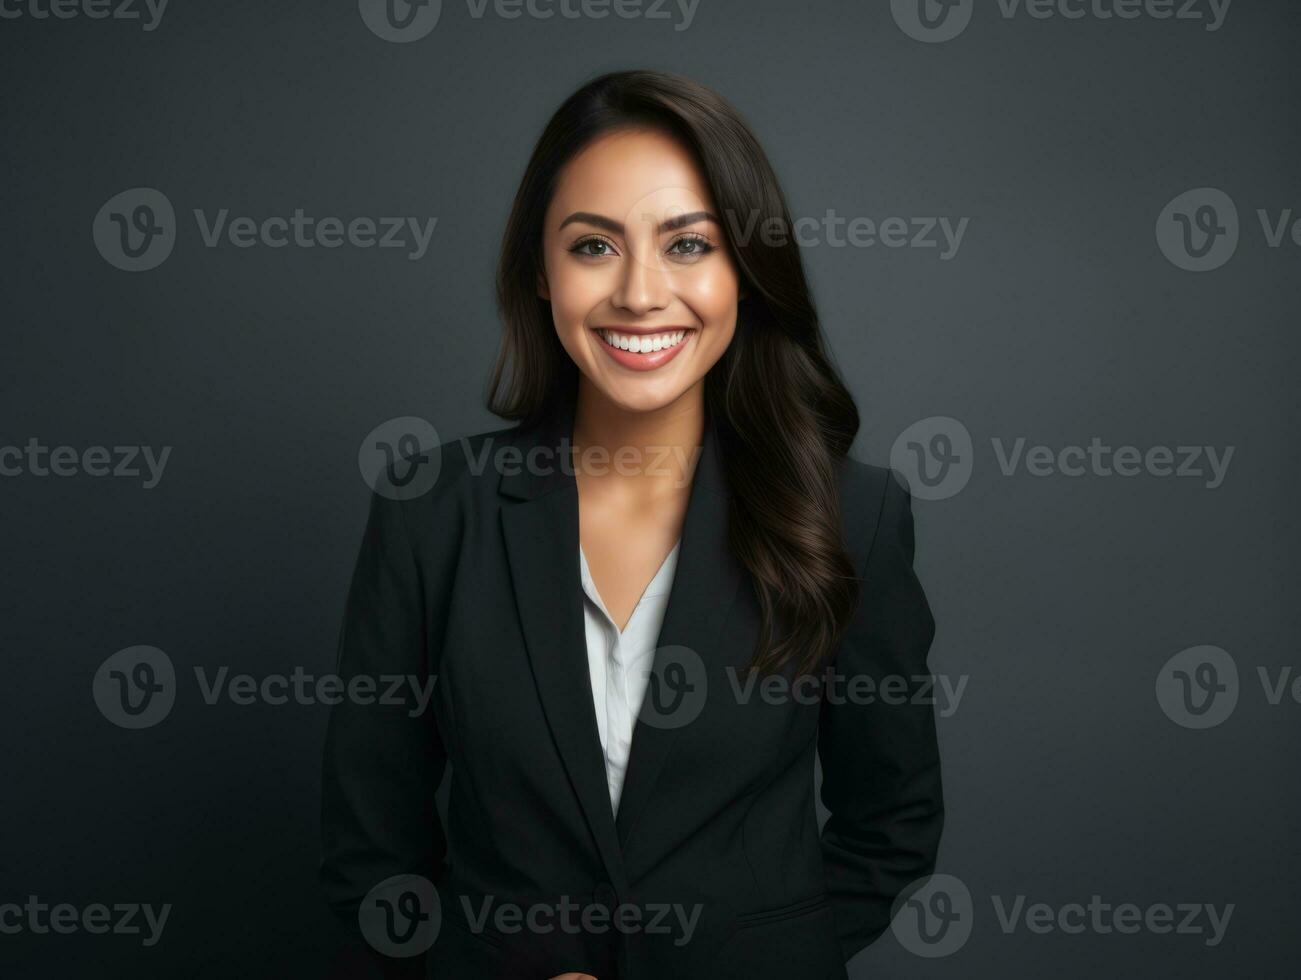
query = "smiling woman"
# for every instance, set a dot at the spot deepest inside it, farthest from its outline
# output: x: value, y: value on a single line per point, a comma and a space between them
x: 587, y: 624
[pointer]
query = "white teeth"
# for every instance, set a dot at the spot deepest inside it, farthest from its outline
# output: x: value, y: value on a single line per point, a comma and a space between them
x: 642, y: 343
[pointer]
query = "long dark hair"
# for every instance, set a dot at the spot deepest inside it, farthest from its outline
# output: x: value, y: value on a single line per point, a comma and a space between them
x: 779, y: 405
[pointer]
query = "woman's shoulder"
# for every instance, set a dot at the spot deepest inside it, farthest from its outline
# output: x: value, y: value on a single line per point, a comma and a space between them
x: 470, y: 467
x: 443, y: 497
x: 476, y: 459
x: 873, y: 500
x: 444, y: 483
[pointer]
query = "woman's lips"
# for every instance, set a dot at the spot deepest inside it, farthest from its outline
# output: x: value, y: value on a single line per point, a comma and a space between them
x: 642, y: 355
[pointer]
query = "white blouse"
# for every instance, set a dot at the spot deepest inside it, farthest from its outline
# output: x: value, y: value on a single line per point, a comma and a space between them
x: 619, y: 664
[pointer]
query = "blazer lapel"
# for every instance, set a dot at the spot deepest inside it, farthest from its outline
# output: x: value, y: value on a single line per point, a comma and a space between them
x: 704, y: 587
x: 540, y: 526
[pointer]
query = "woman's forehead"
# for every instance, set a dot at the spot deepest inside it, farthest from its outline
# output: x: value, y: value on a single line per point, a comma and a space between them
x: 631, y: 176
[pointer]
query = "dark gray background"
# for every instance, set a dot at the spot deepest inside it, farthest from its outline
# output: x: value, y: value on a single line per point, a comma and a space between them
x: 1058, y: 320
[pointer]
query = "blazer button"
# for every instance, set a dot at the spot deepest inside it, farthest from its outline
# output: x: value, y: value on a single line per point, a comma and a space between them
x: 605, y: 895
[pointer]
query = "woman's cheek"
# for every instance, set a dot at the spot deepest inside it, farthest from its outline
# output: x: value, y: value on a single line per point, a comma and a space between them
x: 714, y: 291
x: 714, y: 304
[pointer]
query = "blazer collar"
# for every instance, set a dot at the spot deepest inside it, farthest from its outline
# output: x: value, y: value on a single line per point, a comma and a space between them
x: 540, y: 526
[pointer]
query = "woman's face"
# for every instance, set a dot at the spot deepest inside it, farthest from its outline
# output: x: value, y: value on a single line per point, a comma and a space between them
x: 642, y: 287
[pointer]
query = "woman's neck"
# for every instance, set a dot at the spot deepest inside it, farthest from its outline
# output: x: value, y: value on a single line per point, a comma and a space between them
x: 648, y: 453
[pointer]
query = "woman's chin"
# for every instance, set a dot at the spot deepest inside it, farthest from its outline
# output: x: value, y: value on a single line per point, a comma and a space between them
x: 641, y: 394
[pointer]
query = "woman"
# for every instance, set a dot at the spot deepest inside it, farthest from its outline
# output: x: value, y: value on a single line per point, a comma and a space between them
x: 647, y: 605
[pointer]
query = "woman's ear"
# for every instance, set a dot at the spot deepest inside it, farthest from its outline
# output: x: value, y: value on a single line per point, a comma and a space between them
x: 543, y: 291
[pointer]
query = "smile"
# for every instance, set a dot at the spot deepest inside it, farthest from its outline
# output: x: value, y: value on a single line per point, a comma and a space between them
x: 644, y: 351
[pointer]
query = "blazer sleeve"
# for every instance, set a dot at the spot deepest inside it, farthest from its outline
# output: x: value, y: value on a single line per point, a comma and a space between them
x: 382, y: 762
x: 879, y: 753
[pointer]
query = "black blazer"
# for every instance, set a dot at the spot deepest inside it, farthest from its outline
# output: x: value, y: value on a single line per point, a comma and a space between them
x: 716, y: 857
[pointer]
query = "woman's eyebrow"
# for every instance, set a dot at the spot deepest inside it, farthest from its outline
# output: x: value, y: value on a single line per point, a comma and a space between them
x: 609, y: 224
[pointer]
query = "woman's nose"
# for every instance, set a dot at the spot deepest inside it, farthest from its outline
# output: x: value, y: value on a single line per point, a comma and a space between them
x: 644, y: 284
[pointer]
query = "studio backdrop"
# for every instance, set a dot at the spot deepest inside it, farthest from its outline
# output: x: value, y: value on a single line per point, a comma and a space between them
x: 1055, y: 245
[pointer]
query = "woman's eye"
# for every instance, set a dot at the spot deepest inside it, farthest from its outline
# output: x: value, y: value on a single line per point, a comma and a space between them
x: 592, y: 246
x: 691, y: 246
